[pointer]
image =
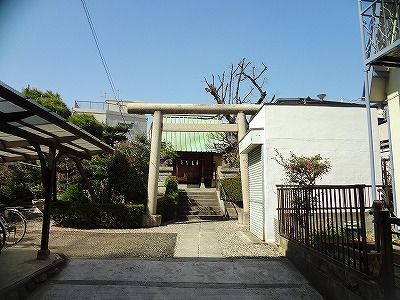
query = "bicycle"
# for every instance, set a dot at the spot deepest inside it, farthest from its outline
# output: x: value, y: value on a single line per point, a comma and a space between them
x: 12, y: 226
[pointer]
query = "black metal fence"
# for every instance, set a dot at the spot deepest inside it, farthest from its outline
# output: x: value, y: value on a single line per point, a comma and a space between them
x: 330, y: 220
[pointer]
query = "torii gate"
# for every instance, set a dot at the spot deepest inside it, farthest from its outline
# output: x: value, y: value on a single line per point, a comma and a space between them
x: 158, y: 110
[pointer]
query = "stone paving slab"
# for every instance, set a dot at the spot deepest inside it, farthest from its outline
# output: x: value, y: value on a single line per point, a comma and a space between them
x: 178, y: 279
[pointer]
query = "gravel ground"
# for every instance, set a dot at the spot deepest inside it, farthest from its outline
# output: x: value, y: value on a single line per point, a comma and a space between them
x: 235, y: 244
x: 154, y: 242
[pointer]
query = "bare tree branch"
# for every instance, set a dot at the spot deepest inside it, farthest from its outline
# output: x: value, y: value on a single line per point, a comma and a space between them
x: 249, y: 93
x: 239, y: 86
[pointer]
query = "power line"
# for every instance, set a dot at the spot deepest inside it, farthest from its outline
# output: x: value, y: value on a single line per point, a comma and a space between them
x: 104, y: 62
x: 107, y: 70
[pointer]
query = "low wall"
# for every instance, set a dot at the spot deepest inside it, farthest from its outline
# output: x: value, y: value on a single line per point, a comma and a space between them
x: 333, y: 280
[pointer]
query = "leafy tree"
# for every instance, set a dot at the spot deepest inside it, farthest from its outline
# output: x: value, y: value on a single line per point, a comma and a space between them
x: 49, y: 100
x: 303, y: 170
x: 95, y: 175
x: 128, y: 171
x: 88, y: 123
x: 19, y: 183
x: 108, y: 134
x: 114, y: 134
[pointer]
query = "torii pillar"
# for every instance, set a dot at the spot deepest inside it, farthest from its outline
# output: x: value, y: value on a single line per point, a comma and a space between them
x: 244, y: 170
x: 151, y: 218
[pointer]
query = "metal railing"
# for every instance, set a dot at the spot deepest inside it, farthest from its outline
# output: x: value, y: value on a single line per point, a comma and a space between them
x: 328, y: 219
x: 380, y: 24
x: 90, y: 105
x: 108, y: 105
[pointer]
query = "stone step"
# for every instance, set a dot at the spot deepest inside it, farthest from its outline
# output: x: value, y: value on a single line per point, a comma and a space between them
x: 199, y: 208
x: 199, y: 212
x: 197, y: 190
x: 199, y: 203
x: 197, y: 194
x: 198, y: 198
x: 199, y: 217
x: 193, y: 207
x: 211, y: 196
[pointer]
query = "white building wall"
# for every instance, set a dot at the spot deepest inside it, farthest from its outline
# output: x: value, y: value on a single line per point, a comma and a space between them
x: 337, y: 133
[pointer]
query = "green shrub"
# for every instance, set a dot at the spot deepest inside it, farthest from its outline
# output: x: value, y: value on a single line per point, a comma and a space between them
x: 233, y: 188
x: 168, y: 204
x: 75, y: 193
x: 99, y: 215
x: 171, y: 186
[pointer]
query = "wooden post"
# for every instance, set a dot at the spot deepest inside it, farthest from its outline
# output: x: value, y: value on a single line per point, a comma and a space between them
x: 383, y: 222
x: 48, y: 176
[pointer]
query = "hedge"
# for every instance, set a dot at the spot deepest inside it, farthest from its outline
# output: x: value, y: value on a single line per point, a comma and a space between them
x: 75, y: 192
x: 97, y: 215
x: 168, y: 204
x: 233, y: 188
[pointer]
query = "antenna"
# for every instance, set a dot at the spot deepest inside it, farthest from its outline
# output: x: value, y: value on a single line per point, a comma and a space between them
x: 321, y: 96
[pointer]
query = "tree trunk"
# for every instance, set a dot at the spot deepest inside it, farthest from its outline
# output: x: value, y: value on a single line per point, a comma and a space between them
x: 86, y: 181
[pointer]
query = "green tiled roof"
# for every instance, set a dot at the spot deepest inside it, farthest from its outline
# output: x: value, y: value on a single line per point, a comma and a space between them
x: 191, y: 141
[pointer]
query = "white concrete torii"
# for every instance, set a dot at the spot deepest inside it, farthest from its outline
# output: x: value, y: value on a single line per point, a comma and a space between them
x: 158, y: 110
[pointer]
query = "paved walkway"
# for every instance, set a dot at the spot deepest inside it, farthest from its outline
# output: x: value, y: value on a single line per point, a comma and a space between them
x: 198, y: 240
x: 175, y: 261
x: 181, y: 278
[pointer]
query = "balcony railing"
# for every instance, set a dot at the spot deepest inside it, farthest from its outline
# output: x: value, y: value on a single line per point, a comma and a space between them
x: 109, y: 105
x: 380, y: 25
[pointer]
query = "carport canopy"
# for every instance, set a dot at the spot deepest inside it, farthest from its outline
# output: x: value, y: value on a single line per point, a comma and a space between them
x: 29, y: 131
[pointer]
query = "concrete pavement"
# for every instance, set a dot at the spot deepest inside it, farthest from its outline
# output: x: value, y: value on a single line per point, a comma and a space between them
x: 203, y: 265
x: 20, y: 271
x: 200, y: 278
x: 198, y: 239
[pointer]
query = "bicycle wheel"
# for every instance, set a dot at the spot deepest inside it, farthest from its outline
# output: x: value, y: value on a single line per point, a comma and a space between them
x: 15, y: 226
x: 2, y: 234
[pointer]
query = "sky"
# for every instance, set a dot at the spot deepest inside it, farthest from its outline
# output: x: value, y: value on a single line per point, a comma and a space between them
x: 161, y: 51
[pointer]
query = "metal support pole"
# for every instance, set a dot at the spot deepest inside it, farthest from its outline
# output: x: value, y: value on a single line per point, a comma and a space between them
x: 244, y: 166
x: 368, y: 107
x: 154, y: 165
x: 370, y: 137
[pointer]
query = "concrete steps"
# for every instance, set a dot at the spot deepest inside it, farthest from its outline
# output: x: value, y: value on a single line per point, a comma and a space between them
x: 198, y: 204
